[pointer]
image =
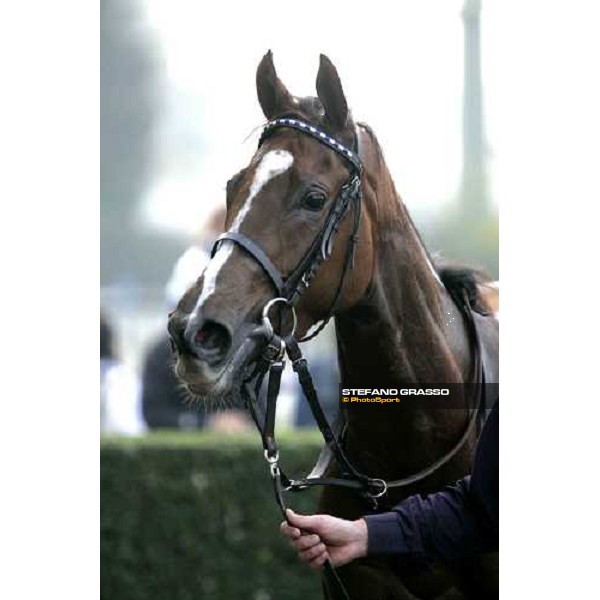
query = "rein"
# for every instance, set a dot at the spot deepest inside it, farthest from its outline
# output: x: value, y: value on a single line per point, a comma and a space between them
x: 281, y: 345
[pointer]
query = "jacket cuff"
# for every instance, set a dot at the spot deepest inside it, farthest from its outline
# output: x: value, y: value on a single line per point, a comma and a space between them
x: 384, y: 534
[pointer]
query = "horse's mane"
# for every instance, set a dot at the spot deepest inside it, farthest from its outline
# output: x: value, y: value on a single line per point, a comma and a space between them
x: 460, y: 280
x: 371, y: 133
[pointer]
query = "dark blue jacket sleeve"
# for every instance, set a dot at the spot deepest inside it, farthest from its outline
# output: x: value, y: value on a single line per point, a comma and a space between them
x: 461, y: 520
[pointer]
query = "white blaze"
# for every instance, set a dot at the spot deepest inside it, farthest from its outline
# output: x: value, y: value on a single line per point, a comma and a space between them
x: 273, y: 163
x: 212, y: 270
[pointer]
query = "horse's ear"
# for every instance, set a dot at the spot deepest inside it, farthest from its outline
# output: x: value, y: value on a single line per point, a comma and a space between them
x: 272, y: 94
x: 331, y: 94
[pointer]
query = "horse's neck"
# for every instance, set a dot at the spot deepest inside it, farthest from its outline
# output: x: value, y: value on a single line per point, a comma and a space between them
x: 405, y: 330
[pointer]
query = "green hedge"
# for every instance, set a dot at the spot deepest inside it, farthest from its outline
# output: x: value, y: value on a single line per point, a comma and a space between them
x: 192, y: 516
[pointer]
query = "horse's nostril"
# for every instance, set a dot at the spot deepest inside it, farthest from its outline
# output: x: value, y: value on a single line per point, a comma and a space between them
x: 212, y: 340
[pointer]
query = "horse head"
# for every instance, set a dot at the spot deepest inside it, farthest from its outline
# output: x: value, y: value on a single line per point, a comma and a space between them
x: 281, y: 204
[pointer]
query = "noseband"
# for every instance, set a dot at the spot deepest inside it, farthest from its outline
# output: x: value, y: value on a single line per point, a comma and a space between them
x: 292, y: 286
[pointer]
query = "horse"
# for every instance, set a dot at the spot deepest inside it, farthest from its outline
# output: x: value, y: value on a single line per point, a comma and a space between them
x: 396, y: 319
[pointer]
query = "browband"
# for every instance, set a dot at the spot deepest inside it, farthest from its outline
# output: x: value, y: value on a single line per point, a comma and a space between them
x: 317, y: 134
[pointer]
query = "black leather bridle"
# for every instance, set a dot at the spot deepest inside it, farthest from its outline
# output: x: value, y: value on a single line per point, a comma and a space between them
x: 272, y: 361
x: 292, y: 286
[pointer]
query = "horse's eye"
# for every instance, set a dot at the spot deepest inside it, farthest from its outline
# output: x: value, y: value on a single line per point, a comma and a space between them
x: 314, y: 200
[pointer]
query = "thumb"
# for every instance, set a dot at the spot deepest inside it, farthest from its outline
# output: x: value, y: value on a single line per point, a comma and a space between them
x: 308, y: 522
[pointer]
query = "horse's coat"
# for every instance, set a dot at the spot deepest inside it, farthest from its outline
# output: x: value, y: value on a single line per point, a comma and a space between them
x: 273, y: 163
x: 396, y: 324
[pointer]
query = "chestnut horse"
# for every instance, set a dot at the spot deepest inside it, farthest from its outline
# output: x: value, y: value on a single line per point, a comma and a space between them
x: 395, y: 320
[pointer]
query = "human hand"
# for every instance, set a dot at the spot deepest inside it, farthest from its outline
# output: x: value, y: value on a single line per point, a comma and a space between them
x: 321, y: 537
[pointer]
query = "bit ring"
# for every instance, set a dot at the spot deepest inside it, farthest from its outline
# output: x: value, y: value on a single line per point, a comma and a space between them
x: 267, y: 320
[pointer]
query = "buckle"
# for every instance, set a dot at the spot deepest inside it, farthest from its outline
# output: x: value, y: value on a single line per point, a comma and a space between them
x: 299, y: 363
x: 274, y: 352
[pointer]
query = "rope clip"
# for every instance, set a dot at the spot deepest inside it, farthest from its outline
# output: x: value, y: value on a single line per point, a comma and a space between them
x: 273, y: 463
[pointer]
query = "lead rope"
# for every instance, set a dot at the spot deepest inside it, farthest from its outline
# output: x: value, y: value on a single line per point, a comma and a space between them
x: 273, y: 362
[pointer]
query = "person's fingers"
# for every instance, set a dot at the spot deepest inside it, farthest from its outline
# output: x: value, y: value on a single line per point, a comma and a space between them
x: 306, y: 541
x: 291, y: 532
x: 309, y: 522
x: 312, y: 553
x: 317, y: 563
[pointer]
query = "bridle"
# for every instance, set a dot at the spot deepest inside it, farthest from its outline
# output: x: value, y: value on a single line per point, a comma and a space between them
x: 272, y: 360
x: 292, y: 286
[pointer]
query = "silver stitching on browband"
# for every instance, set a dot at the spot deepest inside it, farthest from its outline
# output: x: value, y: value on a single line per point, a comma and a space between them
x: 333, y: 143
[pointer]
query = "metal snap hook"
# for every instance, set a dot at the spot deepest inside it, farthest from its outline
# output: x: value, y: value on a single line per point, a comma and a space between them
x: 273, y: 463
x: 271, y: 459
x: 267, y: 320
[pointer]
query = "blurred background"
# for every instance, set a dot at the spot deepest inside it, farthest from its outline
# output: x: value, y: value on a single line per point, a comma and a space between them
x: 179, y: 116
